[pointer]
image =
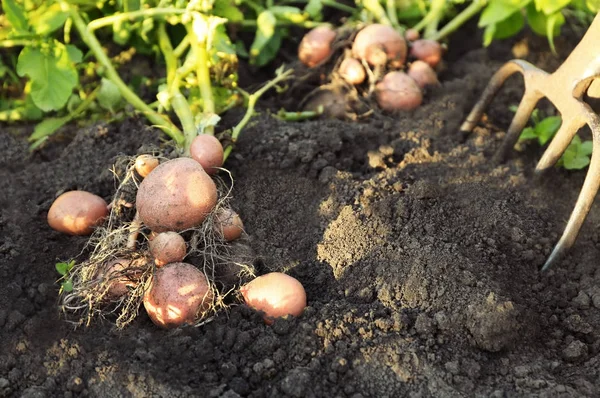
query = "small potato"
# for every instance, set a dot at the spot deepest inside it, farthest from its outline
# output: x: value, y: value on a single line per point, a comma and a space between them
x: 179, y: 294
x: 167, y: 247
x: 276, y: 295
x: 120, y: 280
x: 177, y: 195
x: 77, y: 212
x: 429, y: 51
x: 380, y: 44
x: 412, y: 34
x: 229, y: 224
x: 315, y: 46
x: 207, y: 150
x: 398, y: 92
x: 352, y: 71
x: 144, y: 164
x: 423, y: 74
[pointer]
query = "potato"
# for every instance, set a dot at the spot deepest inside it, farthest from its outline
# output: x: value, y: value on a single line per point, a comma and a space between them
x: 380, y: 44
x: 398, y: 92
x: 179, y: 294
x: 144, y: 164
x: 315, y: 46
x: 175, y: 196
x: 120, y: 282
x: 429, y: 51
x: 352, y: 71
x: 276, y: 295
x: 228, y: 224
x: 423, y: 74
x: 77, y: 212
x: 412, y: 34
x: 167, y: 247
x: 207, y: 150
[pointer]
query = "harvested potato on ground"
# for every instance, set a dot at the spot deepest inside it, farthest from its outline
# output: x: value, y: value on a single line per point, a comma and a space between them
x: 276, y: 295
x: 144, y: 164
x: 77, y: 212
x: 167, y: 247
x: 423, y: 74
x: 207, y: 150
x: 352, y: 71
x: 177, y: 195
x: 119, y: 279
x: 315, y: 46
x: 398, y: 92
x: 229, y: 224
x: 426, y: 50
x: 179, y: 294
x: 380, y: 44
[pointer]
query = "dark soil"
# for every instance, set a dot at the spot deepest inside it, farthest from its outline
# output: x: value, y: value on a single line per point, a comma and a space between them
x: 420, y: 259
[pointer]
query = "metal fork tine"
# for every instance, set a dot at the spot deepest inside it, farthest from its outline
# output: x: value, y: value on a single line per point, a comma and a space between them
x: 582, y: 207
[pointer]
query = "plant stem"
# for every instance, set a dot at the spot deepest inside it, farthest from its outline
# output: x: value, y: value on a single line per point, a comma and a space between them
x: 199, y: 46
x: 90, y: 39
x: 16, y: 43
x: 437, y: 9
x: 148, y: 13
x: 181, y: 48
x: 338, y: 6
x: 252, y: 99
x: 376, y: 9
x: 176, y: 99
x: 251, y: 23
x: 460, y: 19
x: 433, y: 15
x: 392, y: 13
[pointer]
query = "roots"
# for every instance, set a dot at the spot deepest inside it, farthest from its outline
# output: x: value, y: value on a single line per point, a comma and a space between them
x: 99, y: 285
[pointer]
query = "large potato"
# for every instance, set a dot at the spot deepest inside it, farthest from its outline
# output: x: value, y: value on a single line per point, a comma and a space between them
x: 380, y: 44
x: 77, y: 212
x: 179, y: 294
x: 175, y: 196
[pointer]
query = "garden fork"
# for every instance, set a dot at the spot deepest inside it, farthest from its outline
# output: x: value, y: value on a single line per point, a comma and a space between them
x: 565, y: 88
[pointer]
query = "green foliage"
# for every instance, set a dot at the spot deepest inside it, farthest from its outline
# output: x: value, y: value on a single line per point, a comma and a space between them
x: 63, y: 269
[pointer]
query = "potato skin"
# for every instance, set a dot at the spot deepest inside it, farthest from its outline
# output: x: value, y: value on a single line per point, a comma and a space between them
x: 229, y: 224
x: 77, y: 212
x: 167, y: 247
x: 315, y: 46
x: 119, y: 285
x: 426, y: 50
x: 144, y: 164
x: 352, y: 71
x: 276, y: 295
x: 423, y: 74
x: 398, y: 92
x: 179, y: 294
x: 175, y: 196
x: 207, y: 150
x: 375, y: 40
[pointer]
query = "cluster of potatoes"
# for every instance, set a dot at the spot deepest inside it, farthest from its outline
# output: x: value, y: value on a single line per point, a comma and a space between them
x: 408, y: 63
x: 175, y: 196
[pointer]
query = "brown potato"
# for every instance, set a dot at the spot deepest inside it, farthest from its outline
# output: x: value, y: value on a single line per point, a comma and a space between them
x: 167, y: 247
x: 380, y: 44
x: 144, y: 164
x: 398, y: 92
x: 120, y: 280
x: 426, y: 50
x: 207, y: 150
x: 77, y: 212
x: 179, y: 294
x: 423, y: 74
x: 177, y: 195
x: 229, y: 224
x: 315, y: 46
x: 412, y: 34
x: 276, y: 295
x: 352, y: 71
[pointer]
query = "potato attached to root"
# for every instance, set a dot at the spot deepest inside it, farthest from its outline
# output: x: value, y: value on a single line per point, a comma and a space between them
x: 315, y: 46
x: 167, y: 247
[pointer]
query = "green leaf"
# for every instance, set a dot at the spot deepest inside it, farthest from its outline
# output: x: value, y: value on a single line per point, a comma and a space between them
x: 52, y: 73
x: 240, y: 49
x: 576, y: 155
x: 47, y: 19
x: 64, y: 267
x: 67, y: 286
x: 549, y: 7
x: 547, y: 128
x: 269, y: 51
x: 75, y: 54
x: 288, y: 13
x: 266, y: 23
x: 545, y: 25
x: 593, y: 5
x: 15, y: 15
x: 586, y: 148
x: 47, y: 127
x: 499, y: 10
x: 510, y: 26
x: 109, y: 95
x: 528, y: 134
x: 314, y: 8
x: 228, y: 10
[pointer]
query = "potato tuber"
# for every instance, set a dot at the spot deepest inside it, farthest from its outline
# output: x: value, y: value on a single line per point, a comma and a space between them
x: 77, y: 212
